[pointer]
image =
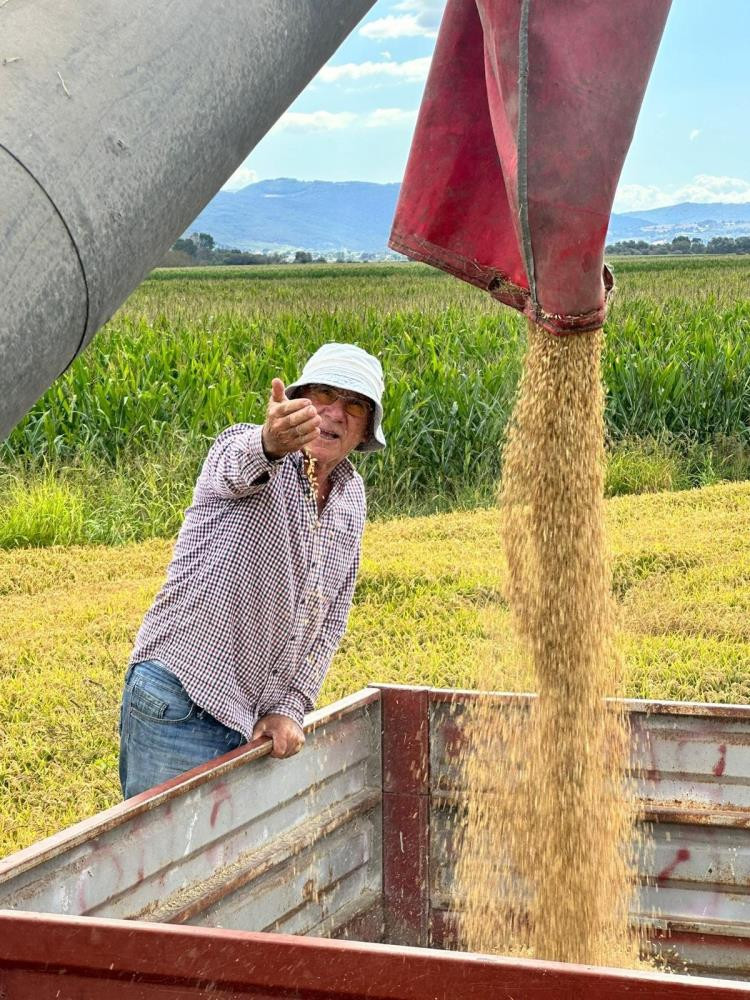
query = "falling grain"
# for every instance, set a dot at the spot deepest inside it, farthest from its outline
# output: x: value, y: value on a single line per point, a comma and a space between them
x: 545, y: 865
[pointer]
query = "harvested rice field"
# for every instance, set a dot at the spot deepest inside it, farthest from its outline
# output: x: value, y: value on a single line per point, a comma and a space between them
x: 428, y: 610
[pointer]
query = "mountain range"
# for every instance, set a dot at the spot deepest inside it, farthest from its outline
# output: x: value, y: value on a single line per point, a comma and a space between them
x: 328, y: 217
x: 701, y: 220
x: 319, y: 216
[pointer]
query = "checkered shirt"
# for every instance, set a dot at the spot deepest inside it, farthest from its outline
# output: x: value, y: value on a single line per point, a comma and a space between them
x: 259, y: 588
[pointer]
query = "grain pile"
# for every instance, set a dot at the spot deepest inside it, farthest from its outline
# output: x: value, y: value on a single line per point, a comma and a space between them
x: 543, y: 867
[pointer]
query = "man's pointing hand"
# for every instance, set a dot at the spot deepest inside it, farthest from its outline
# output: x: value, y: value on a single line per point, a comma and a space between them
x: 290, y: 425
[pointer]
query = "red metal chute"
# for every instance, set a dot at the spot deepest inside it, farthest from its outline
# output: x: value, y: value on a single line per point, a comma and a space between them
x: 526, y: 118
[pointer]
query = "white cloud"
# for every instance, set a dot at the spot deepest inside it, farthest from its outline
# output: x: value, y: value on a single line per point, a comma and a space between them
x: 242, y: 176
x: 702, y: 188
x: 384, y: 117
x: 314, y: 121
x: 427, y: 12
x: 705, y: 187
x: 694, y: 134
x: 399, y: 26
x: 639, y: 197
x: 332, y: 121
x: 411, y: 71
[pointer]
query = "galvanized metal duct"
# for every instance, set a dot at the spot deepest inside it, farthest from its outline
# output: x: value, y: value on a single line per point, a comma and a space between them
x: 118, y: 123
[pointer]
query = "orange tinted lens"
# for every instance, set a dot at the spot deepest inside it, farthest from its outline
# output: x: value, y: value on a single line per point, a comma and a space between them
x: 327, y: 395
x: 324, y: 393
x: 355, y: 407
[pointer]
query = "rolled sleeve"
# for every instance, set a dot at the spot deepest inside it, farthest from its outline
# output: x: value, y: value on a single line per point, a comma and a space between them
x: 236, y: 465
x: 294, y: 705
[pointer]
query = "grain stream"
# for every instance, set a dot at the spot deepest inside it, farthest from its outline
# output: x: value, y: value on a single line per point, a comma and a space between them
x: 545, y: 866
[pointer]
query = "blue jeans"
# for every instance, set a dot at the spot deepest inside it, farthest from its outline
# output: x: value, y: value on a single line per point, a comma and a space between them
x: 162, y: 731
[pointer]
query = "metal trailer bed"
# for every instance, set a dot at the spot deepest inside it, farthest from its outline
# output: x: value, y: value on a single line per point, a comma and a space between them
x: 331, y: 874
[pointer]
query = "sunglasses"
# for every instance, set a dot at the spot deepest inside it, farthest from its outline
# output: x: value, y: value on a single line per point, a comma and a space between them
x: 326, y: 395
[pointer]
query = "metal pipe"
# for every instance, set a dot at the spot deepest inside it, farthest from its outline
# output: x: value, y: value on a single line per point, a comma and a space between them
x: 118, y: 123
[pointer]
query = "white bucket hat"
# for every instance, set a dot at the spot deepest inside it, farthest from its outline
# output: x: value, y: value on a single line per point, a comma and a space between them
x: 346, y: 366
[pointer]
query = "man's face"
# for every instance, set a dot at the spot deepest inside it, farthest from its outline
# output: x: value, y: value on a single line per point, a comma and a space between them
x: 345, y: 420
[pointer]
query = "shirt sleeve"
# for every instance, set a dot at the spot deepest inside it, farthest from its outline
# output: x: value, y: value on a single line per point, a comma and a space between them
x: 303, y: 692
x: 236, y: 464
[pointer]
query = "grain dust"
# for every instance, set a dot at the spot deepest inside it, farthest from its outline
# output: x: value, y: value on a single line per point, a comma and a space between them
x: 546, y: 864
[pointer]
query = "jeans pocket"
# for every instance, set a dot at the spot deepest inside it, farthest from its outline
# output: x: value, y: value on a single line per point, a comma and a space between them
x: 161, y: 699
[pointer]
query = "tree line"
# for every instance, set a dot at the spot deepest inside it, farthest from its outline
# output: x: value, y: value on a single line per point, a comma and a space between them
x: 681, y: 245
x: 201, y: 248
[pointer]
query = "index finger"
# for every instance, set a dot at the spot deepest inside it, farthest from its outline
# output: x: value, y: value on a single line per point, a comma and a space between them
x: 290, y: 406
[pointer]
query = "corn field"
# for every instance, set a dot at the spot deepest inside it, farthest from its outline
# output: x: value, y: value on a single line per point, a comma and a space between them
x: 194, y: 350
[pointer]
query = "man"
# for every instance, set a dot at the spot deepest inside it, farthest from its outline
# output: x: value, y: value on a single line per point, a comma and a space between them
x: 258, y: 592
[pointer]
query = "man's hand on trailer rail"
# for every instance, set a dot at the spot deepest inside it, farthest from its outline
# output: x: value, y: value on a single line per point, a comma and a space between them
x: 288, y: 737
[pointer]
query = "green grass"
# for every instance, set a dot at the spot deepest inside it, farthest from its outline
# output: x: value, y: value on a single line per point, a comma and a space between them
x: 123, y: 432
x: 428, y: 610
x: 110, y: 454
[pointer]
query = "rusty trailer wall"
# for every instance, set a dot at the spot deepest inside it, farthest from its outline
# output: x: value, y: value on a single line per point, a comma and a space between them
x: 691, y: 765
x: 289, y: 845
x: 88, y: 959
x: 354, y: 838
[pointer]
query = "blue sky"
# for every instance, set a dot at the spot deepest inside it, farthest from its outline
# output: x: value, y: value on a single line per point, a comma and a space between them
x: 354, y: 121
